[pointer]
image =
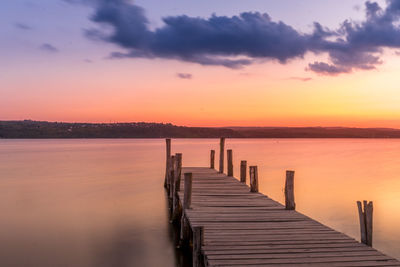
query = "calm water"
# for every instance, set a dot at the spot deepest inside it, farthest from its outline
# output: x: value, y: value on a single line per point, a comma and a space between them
x: 101, y: 202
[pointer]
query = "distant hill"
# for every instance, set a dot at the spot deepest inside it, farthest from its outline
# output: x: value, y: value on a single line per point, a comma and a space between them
x: 44, y: 129
x: 316, y: 132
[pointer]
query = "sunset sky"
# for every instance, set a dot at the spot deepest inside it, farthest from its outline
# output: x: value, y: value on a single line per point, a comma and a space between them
x: 202, y: 63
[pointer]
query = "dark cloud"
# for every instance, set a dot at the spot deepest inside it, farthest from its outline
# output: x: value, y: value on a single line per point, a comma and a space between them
x: 48, y: 48
x: 22, y: 26
x: 250, y: 37
x: 233, y: 42
x: 184, y: 75
x: 360, y: 45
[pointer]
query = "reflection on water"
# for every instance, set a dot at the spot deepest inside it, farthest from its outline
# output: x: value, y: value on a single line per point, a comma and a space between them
x: 102, y: 203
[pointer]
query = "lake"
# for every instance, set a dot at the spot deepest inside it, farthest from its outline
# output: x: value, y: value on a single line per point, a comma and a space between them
x: 101, y: 202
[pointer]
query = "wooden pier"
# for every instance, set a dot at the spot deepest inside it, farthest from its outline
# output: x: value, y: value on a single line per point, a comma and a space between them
x: 227, y: 223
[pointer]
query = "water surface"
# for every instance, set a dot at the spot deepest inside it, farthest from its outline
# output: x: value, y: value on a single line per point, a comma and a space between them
x: 101, y: 202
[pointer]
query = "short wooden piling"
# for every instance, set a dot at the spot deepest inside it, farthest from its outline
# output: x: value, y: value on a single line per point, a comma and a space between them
x: 168, y: 154
x: 365, y: 216
x: 253, y: 179
x: 212, y: 159
x: 221, y: 154
x: 243, y: 171
x: 230, y: 162
x: 198, y: 237
x: 289, y: 191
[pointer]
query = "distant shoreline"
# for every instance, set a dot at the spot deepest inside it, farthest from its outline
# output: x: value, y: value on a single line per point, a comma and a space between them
x: 28, y: 129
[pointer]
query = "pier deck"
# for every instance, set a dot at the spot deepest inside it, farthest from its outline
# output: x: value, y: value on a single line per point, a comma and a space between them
x: 242, y: 228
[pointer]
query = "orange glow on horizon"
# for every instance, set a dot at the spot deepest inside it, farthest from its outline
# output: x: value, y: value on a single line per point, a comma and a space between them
x: 259, y: 95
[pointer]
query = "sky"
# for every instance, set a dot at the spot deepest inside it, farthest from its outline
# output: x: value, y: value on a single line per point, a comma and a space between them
x: 201, y: 63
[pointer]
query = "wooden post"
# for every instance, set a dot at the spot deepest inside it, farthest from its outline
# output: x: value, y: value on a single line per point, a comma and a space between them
x: 212, y: 159
x: 230, y: 162
x: 253, y: 179
x: 368, y: 221
x: 168, y: 150
x: 171, y: 178
x: 243, y: 170
x: 289, y: 191
x: 221, y: 154
x: 198, y: 241
x: 187, y: 196
x: 177, y: 186
x: 365, y: 216
x: 187, y: 201
x: 178, y: 171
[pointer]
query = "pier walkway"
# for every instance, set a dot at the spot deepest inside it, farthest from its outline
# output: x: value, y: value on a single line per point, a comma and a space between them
x: 227, y: 223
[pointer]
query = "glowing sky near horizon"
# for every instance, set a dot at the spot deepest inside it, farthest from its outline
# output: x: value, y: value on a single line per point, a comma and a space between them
x: 50, y: 71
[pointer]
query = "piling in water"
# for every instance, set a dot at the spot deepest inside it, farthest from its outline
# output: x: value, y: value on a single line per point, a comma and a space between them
x: 168, y: 152
x: 289, y: 191
x: 365, y: 216
x: 230, y: 162
x: 253, y: 179
x: 212, y: 159
x: 243, y: 171
x: 221, y: 154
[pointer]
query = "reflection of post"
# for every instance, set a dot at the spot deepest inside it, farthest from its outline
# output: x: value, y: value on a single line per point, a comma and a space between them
x: 289, y: 191
x: 221, y: 154
x: 168, y: 150
x: 253, y: 179
x: 365, y: 216
x: 212, y: 159
x: 230, y: 162
x: 243, y: 170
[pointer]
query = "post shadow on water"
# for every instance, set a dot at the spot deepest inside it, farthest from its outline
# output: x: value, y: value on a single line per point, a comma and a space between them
x: 128, y: 247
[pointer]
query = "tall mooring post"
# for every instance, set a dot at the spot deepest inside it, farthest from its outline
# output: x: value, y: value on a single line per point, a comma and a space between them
x: 229, y: 156
x: 171, y: 178
x: 365, y: 215
x: 243, y: 171
x: 177, y: 186
x: 221, y: 154
x: 187, y: 202
x: 167, y: 168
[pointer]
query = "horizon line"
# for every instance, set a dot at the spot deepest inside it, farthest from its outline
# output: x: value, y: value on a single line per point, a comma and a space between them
x: 169, y: 123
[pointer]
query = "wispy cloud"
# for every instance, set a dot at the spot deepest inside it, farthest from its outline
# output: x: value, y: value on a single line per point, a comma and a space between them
x: 22, y: 26
x: 184, y: 75
x: 248, y: 38
x: 303, y: 79
x: 48, y: 48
